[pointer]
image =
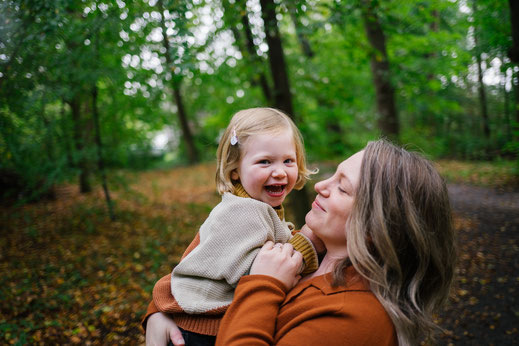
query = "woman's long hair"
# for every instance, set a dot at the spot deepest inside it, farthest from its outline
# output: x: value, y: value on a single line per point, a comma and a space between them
x: 400, y: 238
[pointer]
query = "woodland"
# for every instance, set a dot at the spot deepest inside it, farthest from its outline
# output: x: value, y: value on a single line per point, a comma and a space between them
x: 111, y: 112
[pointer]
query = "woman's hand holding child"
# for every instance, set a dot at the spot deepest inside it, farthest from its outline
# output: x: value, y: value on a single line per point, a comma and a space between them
x: 279, y: 261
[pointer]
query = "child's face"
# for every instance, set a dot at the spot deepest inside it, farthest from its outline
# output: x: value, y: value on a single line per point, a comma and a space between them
x: 268, y: 167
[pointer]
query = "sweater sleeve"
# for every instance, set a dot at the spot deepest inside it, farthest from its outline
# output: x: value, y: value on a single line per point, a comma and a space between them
x: 301, y: 243
x: 251, y: 318
x: 163, y: 300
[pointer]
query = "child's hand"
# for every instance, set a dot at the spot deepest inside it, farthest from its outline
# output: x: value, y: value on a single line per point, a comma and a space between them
x: 318, y: 243
x: 279, y: 261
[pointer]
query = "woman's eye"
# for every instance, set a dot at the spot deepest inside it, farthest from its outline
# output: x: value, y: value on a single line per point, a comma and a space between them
x: 343, y: 191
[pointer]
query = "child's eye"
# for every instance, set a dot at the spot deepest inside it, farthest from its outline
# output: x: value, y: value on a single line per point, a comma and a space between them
x: 264, y: 162
x: 289, y: 161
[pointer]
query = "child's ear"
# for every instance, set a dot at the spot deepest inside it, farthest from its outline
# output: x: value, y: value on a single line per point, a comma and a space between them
x: 235, y: 175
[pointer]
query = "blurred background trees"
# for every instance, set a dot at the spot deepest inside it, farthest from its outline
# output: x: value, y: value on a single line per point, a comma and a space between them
x: 89, y: 86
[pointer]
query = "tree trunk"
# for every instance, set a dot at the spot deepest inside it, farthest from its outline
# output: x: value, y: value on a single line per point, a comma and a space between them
x: 81, y: 159
x: 66, y: 139
x: 282, y: 95
x: 192, y: 153
x: 300, y: 30
x: 299, y: 201
x: 506, y: 114
x: 99, y: 147
x: 235, y: 13
x: 182, y: 117
x: 251, y: 48
x: 482, y: 97
x: 514, y: 51
x: 481, y: 87
x: 384, y: 91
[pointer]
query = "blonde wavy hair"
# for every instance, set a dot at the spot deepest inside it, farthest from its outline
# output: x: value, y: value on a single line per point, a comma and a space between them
x: 400, y: 238
x: 248, y: 123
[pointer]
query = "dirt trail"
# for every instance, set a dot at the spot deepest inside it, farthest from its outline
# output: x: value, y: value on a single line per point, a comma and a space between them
x: 485, y: 309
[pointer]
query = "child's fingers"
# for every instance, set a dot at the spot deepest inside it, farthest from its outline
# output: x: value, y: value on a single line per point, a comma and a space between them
x: 268, y: 245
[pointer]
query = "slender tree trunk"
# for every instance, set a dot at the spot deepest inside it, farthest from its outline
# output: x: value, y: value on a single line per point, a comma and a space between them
x: 384, y: 91
x: 332, y: 127
x: 99, y: 147
x: 481, y: 86
x: 79, y: 141
x: 306, y: 48
x: 482, y: 98
x: 237, y: 13
x: 192, y: 153
x: 251, y: 48
x: 66, y: 135
x: 514, y: 51
x: 182, y: 117
x: 282, y: 95
x: 299, y: 201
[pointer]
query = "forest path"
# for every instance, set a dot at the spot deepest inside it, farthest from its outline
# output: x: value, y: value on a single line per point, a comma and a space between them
x: 485, y: 309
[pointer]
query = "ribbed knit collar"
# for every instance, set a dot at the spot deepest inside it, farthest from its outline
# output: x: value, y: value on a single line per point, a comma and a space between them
x: 240, y: 192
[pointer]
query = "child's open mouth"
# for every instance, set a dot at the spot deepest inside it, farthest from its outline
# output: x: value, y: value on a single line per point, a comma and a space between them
x: 275, y: 190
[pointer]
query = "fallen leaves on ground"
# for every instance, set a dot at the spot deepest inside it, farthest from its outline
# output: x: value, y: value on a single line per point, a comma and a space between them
x: 70, y: 276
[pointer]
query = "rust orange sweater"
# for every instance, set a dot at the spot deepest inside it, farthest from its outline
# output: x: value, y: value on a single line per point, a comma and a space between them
x: 312, y: 313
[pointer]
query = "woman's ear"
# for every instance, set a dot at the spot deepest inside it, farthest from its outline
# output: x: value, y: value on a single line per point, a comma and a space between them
x: 235, y: 175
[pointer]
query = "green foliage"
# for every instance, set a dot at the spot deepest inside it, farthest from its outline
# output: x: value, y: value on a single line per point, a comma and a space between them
x: 53, y: 54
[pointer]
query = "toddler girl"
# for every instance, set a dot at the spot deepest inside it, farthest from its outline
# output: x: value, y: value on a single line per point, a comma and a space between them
x: 260, y: 159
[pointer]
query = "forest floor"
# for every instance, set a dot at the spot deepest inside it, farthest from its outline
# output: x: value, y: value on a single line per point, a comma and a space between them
x: 71, y: 276
x: 484, y: 306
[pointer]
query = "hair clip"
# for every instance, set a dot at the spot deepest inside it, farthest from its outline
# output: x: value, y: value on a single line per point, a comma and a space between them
x: 234, y: 138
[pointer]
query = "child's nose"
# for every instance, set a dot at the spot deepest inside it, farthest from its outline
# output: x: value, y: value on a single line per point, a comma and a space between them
x: 279, y: 173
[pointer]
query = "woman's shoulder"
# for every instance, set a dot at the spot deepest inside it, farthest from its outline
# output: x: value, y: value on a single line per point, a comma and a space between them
x: 354, y: 298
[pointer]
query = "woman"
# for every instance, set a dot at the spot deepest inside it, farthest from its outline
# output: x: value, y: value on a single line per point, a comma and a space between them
x: 384, y: 218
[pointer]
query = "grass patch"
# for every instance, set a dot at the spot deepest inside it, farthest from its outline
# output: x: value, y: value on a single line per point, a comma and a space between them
x: 498, y: 174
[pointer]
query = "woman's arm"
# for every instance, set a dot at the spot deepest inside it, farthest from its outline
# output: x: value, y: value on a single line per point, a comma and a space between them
x: 251, y: 318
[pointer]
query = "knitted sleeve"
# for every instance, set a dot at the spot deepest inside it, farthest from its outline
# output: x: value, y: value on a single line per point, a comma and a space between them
x: 301, y: 243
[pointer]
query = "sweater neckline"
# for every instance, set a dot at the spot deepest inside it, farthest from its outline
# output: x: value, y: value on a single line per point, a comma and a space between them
x: 323, y: 283
x: 240, y: 192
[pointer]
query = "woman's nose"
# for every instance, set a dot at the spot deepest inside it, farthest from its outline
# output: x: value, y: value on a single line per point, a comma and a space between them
x: 321, y: 187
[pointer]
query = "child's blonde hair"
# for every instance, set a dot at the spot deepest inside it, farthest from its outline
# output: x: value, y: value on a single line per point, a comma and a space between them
x: 251, y: 122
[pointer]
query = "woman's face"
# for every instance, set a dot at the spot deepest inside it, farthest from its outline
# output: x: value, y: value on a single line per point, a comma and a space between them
x: 334, y: 202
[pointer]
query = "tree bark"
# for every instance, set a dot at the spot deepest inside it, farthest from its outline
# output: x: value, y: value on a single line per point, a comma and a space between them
x: 298, y: 200
x: 282, y: 95
x: 514, y: 51
x: 384, y: 91
x: 187, y: 136
x: 482, y: 97
x: 306, y: 48
x: 251, y: 48
x: 481, y: 86
x: 235, y: 13
x: 100, y: 161
x: 81, y: 159
x: 182, y: 117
